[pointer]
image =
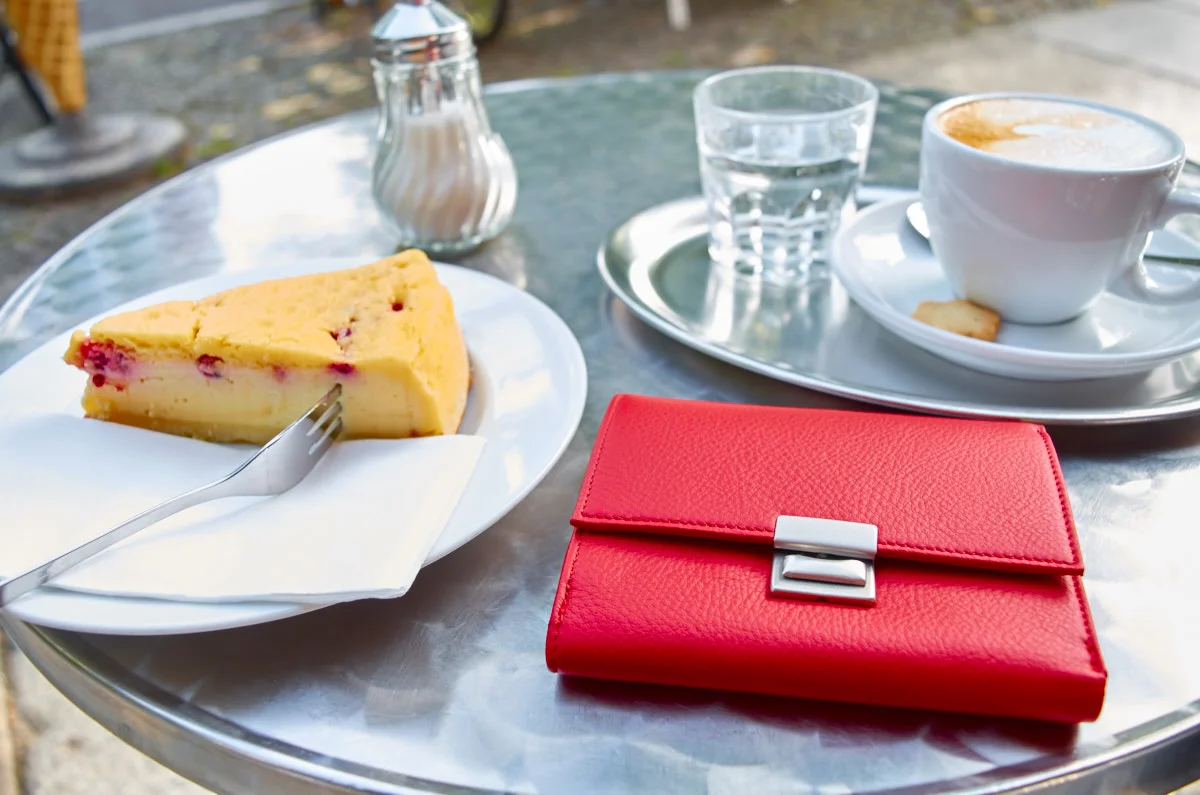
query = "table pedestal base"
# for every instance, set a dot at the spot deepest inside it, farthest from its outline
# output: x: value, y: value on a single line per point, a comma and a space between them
x: 81, y: 153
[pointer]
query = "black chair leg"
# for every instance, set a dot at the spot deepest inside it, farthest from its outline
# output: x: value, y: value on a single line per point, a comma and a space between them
x: 13, y: 62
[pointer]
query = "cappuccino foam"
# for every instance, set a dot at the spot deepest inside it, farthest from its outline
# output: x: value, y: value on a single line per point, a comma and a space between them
x: 1055, y: 133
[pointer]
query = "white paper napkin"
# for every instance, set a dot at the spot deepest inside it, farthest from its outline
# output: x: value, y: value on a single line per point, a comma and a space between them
x: 360, y: 525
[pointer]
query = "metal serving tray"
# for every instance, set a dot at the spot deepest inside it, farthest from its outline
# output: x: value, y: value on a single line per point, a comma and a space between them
x: 814, y: 336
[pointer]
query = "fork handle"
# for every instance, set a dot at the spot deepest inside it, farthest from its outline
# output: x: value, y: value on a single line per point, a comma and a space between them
x: 15, y: 587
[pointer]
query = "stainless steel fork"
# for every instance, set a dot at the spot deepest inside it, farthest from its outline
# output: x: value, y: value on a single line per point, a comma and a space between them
x: 278, y: 466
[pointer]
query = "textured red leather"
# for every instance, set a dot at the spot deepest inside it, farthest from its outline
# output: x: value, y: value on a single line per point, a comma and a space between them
x: 962, y: 492
x: 667, y: 578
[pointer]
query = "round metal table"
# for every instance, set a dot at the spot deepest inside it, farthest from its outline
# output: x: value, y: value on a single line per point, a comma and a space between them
x: 446, y: 690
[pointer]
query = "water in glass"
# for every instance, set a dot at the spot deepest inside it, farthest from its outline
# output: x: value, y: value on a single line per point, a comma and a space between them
x: 775, y: 219
x: 782, y: 150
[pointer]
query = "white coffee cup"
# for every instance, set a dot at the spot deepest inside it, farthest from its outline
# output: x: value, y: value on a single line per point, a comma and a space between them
x: 1039, y: 242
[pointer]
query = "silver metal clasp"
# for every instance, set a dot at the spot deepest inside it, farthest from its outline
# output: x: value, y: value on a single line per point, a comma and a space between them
x: 824, y: 559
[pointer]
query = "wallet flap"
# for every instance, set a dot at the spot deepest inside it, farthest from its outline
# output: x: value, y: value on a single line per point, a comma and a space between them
x: 973, y: 493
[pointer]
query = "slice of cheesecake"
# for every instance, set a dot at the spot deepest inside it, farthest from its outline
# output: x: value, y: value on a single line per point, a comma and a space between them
x: 240, y: 365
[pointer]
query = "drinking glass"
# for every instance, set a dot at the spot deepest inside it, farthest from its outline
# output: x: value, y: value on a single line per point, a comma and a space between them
x: 782, y: 150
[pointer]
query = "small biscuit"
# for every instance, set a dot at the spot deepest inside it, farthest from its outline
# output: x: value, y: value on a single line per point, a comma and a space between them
x: 960, y: 317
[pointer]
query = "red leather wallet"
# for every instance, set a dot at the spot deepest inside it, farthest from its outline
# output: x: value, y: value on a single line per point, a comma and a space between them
x: 846, y: 556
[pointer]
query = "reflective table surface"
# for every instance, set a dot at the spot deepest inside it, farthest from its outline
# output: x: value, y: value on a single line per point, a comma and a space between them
x: 446, y: 690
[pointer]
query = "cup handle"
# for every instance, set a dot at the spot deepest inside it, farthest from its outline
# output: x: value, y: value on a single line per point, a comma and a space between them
x: 1135, y: 283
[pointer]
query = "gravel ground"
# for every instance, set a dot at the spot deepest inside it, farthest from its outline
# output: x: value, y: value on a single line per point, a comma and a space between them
x: 239, y: 82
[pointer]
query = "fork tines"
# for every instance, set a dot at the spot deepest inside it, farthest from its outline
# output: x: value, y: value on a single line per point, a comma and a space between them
x: 326, y: 417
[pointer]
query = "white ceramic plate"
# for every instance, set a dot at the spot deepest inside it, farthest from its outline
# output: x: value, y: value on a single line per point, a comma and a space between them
x: 888, y: 270
x: 529, y: 383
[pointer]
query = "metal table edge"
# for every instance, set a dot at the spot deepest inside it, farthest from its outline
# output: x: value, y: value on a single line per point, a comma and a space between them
x: 277, y: 764
x: 295, y: 765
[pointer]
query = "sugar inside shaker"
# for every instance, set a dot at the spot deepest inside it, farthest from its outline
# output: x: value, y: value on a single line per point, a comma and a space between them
x: 442, y: 179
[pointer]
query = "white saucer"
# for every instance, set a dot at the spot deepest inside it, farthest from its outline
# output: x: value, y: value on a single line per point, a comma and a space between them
x: 888, y: 269
x: 527, y: 397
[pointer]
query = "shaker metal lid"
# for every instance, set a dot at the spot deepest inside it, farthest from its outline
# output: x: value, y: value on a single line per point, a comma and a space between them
x: 420, y: 31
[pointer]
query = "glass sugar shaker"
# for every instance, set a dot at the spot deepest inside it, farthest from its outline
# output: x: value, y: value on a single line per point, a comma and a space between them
x: 442, y: 179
